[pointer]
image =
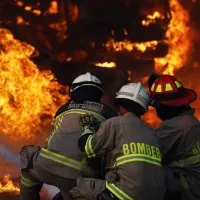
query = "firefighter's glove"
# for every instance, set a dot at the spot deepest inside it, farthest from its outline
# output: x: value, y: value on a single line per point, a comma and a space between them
x: 88, y: 123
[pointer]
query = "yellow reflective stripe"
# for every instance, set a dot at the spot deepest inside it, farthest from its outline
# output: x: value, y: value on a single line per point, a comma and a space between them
x: 87, y: 131
x: 62, y: 159
x: 168, y: 87
x: 76, y: 111
x: 177, y: 84
x: 159, y: 88
x: 152, y: 87
x: 82, y: 112
x: 88, y: 147
x: 27, y: 185
x: 137, y: 158
x: 117, y: 192
x: 186, y: 162
x: 29, y: 182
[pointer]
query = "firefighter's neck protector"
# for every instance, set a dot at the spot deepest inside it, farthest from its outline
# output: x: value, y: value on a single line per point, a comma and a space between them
x: 167, y: 90
x: 85, y: 80
x: 136, y: 93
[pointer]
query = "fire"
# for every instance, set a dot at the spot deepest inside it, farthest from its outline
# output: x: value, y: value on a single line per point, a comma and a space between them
x: 129, y: 46
x: 53, y: 9
x: 106, y: 64
x: 29, y: 98
x: 61, y: 28
x: 28, y: 8
x: 37, y: 12
x: 7, y: 185
x: 151, y: 19
x: 179, y: 41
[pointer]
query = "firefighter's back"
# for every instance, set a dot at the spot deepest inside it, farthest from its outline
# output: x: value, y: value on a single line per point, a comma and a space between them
x: 62, y: 155
x: 138, y: 159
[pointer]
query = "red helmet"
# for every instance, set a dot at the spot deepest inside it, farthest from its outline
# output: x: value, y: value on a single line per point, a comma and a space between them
x: 167, y: 90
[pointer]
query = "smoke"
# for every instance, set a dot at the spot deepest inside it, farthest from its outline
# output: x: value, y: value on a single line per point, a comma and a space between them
x: 8, y: 156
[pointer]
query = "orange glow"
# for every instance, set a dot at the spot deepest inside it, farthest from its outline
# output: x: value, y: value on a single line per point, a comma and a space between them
x: 6, y: 185
x: 129, y: 75
x: 179, y: 41
x: 61, y: 28
x: 151, y: 118
x: 106, y: 64
x: 28, y: 8
x: 151, y: 19
x: 129, y: 46
x: 37, y: 12
x: 69, y: 59
x: 20, y: 20
x: 73, y: 12
x: 53, y: 9
x: 20, y: 4
x: 29, y: 98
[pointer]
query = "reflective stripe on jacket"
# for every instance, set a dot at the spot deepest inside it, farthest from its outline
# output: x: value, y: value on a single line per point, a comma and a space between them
x: 61, y: 156
x: 133, y: 158
x: 179, y: 139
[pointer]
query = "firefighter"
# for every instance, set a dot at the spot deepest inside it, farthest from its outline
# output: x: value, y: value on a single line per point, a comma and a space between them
x: 61, y: 161
x: 178, y: 136
x: 133, y: 158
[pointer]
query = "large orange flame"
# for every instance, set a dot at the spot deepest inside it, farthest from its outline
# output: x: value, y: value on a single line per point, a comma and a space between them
x: 178, y: 37
x: 7, y: 185
x: 27, y: 96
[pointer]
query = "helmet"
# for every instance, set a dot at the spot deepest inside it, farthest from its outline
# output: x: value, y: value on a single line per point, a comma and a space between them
x: 134, y: 92
x: 152, y: 79
x: 86, y: 80
x: 167, y: 90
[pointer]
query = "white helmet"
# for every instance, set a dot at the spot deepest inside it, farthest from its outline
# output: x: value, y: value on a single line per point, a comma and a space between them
x: 134, y: 92
x: 86, y: 80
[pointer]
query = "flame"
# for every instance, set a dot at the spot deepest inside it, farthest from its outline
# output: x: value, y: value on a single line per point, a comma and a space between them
x: 53, y: 9
x: 7, y: 185
x: 129, y: 46
x: 37, y: 12
x: 106, y: 64
x: 29, y: 97
x: 151, y: 19
x: 28, y: 8
x: 61, y: 28
x: 179, y: 40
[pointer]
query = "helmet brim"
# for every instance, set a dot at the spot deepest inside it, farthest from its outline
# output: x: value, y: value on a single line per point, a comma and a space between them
x: 189, y: 97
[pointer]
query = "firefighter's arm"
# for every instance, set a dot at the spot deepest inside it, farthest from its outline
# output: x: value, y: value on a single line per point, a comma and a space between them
x: 89, y: 125
x: 97, y: 144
